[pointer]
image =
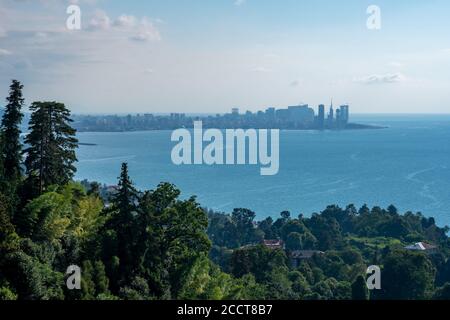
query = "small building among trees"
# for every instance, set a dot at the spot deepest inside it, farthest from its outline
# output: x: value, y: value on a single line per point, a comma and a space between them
x: 298, y: 255
x: 424, y: 247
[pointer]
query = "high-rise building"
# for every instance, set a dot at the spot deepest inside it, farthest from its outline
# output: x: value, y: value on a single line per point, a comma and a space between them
x: 338, y: 117
x: 331, y: 115
x: 321, y: 116
x: 344, y: 114
x: 270, y: 112
x: 235, y: 111
x: 303, y: 113
x: 282, y: 114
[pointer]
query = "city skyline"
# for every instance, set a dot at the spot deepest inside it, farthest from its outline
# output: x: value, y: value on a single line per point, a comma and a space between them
x: 207, y: 57
x: 301, y: 117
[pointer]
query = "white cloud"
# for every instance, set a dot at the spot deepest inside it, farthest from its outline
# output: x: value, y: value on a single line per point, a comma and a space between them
x: 381, y: 78
x: 127, y: 21
x: 146, y: 32
x: 4, y: 52
x: 136, y: 30
x: 100, y: 21
x: 239, y: 2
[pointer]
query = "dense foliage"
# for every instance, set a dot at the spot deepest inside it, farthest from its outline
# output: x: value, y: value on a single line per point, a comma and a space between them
x: 345, y: 242
x: 156, y: 245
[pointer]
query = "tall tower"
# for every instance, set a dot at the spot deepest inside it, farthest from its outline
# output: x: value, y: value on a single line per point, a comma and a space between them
x: 331, y: 114
x: 338, y: 118
x: 321, y: 116
x: 345, y: 113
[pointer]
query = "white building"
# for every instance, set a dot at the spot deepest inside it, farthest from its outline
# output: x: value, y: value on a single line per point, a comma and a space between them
x: 422, y: 246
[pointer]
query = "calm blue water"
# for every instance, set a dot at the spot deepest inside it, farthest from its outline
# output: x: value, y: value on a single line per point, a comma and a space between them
x: 407, y: 164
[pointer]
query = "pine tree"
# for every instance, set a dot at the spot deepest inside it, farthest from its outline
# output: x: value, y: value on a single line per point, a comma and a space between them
x: 126, y: 198
x: 52, y: 144
x: 123, y: 220
x: 11, y: 146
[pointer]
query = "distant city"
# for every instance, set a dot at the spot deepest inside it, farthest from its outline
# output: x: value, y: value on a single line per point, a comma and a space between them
x: 301, y: 117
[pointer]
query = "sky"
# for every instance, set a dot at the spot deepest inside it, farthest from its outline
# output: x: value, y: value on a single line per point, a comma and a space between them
x: 208, y: 56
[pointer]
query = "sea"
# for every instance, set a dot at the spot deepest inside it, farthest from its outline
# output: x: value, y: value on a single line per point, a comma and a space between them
x: 407, y: 164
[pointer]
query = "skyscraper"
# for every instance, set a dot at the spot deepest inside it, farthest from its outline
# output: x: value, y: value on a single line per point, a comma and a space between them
x: 338, y: 118
x: 344, y: 114
x: 331, y: 115
x: 303, y: 113
x: 321, y: 116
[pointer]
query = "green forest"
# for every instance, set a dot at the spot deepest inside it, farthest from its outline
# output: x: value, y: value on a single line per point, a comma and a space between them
x: 157, y: 245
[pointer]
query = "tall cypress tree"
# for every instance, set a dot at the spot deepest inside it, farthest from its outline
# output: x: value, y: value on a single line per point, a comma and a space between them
x: 11, y: 146
x: 126, y: 197
x: 123, y: 220
x: 51, y: 147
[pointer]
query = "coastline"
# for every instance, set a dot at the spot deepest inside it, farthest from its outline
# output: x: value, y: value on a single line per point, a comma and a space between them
x: 349, y: 126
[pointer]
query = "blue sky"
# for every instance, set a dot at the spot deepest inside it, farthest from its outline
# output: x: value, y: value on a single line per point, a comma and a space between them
x: 212, y: 55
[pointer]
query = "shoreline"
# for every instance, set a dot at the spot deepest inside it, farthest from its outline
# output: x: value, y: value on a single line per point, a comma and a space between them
x: 350, y: 127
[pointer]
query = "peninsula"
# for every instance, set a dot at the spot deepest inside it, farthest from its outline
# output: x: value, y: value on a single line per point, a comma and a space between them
x: 301, y: 117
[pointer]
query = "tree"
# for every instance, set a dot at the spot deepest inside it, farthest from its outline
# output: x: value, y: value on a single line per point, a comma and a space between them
x: 87, y: 284
x: 279, y: 286
x: 331, y: 289
x: 46, y: 218
x: 392, y: 210
x: 364, y: 210
x: 125, y: 200
x: 172, y: 236
x: 243, y: 220
x: 32, y: 279
x: 359, y: 289
x: 100, y: 279
x: 123, y: 220
x: 86, y: 218
x: 9, y: 240
x: 299, y: 283
x: 10, y: 135
x: 248, y: 289
x: 266, y: 226
x: 6, y: 294
x: 407, y: 275
x: 294, y: 241
x: 137, y: 290
x: 286, y: 215
x: 206, y: 281
x: 258, y: 260
x: 292, y: 226
x: 326, y: 230
x: 222, y: 231
x: 52, y: 144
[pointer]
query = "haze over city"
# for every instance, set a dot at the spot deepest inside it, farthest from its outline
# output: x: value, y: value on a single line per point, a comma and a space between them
x: 209, y: 56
